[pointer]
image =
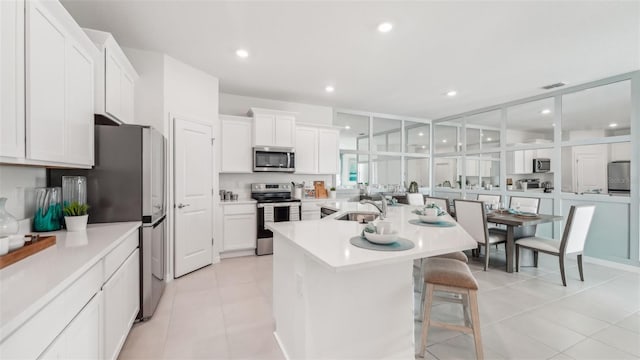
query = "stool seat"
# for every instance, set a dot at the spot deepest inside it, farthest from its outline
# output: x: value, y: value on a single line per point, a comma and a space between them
x: 449, y: 272
x: 458, y: 255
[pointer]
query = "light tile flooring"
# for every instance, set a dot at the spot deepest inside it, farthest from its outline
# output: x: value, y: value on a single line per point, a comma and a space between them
x: 224, y: 312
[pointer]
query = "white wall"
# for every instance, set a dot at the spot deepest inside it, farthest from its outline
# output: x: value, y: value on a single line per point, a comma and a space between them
x: 241, y: 183
x: 149, y: 89
x: 17, y: 184
x: 238, y: 105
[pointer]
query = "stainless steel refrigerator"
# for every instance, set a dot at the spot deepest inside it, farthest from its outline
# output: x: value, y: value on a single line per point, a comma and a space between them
x: 619, y: 176
x: 128, y: 183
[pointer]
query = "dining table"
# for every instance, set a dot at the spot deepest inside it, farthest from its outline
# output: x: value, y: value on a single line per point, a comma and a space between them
x: 514, y: 221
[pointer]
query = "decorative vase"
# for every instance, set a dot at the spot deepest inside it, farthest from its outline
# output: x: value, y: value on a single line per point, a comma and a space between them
x: 74, y: 189
x: 332, y: 194
x: 8, y: 223
x: 76, y: 223
x: 48, y: 216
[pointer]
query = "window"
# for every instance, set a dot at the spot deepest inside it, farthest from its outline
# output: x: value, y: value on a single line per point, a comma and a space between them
x: 531, y: 123
x: 354, y: 131
x: 386, y: 135
x: 386, y: 170
x: 446, y: 172
x: 483, y: 131
x: 417, y: 137
x: 417, y: 169
x: 446, y: 138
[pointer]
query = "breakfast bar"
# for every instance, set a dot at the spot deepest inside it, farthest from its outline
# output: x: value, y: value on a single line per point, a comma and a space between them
x: 334, y: 300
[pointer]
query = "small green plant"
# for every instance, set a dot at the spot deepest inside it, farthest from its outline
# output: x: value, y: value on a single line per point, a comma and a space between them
x: 76, y: 209
x: 333, y: 188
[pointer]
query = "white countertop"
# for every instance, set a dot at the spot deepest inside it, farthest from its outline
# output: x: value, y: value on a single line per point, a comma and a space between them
x: 327, y: 240
x: 238, y: 202
x: 31, y: 283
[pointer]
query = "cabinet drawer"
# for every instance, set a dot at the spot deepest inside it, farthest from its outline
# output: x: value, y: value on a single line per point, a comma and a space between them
x: 117, y: 256
x: 239, y: 209
x: 32, y: 338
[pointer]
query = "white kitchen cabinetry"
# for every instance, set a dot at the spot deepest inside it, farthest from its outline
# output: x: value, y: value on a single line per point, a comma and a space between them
x: 520, y: 161
x: 121, y: 304
x: 12, y: 79
x: 273, y: 128
x: 115, y: 79
x: 82, y: 339
x: 56, y: 74
x: 310, y: 210
x: 307, y: 150
x: 316, y: 150
x: 620, y: 151
x: 239, y: 227
x: 236, y: 148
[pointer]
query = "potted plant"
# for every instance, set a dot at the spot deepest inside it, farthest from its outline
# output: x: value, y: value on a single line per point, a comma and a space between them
x: 332, y: 193
x: 75, y: 216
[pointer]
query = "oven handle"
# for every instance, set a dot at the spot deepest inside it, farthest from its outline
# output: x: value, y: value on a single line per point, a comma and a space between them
x: 280, y: 204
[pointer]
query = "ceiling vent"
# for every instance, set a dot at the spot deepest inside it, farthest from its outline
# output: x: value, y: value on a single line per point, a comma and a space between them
x: 553, y: 86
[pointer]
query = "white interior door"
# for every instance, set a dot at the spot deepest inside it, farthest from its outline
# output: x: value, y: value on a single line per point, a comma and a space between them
x: 193, y: 161
x: 590, y: 171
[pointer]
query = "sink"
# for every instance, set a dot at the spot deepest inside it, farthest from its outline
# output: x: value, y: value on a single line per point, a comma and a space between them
x: 359, y: 216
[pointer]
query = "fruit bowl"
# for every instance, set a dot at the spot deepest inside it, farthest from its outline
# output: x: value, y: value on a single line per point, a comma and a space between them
x: 382, y: 238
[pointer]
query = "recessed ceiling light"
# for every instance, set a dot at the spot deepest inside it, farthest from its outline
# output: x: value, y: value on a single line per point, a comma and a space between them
x: 444, y: 140
x: 452, y: 93
x: 488, y: 139
x: 329, y: 89
x: 242, y: 53
x: 385, y: 27
x: 545, y: 112
x: 347, y: 127
x: 613, y: 125
x: 554, y: 124
x: 459, y: 144
x: 424, y: 146
x: 420, y: 134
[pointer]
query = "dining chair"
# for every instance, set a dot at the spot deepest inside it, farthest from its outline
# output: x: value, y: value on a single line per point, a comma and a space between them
x: 442, y: 203
x: 489, y: 199
x: 573, y: 239
x: 526, y: 204
x: 415, y: 199
x: 471, y: 215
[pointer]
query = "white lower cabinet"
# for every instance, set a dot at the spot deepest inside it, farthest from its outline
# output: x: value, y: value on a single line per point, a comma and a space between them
x: 310, y: 210
x: 121, y: 304
x: 239, y: 227
x: 82, y: 339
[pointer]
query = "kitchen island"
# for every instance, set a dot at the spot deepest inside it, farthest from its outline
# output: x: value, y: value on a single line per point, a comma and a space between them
x: 332, y: 300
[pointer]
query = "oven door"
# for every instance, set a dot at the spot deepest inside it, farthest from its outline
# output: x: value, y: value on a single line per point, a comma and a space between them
x: 273, y: 159
x: 281, y: 212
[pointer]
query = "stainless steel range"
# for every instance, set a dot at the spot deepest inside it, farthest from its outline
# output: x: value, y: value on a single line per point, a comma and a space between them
x: 275, y: 204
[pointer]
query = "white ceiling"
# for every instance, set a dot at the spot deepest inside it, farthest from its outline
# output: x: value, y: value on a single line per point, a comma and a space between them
x: 491, y: 52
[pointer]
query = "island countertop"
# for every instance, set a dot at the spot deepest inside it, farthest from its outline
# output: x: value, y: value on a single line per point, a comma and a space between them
x: 327, y: 240
x: 31, y: 283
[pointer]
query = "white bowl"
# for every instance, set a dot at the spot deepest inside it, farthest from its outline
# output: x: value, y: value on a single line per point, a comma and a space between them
x: 16, y: 242
x: 431, y: 218
x: 382, y: 238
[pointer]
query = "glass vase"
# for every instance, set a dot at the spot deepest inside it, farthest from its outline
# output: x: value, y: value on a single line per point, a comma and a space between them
x: 48, y: 216
x: 74, y: 189
x: 8, y: 223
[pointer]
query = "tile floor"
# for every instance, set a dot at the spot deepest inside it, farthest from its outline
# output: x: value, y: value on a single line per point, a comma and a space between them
x: 224, y: 312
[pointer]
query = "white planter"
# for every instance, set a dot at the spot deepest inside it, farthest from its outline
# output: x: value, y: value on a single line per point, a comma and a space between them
x: 332, y: 194
x: 76, y: 223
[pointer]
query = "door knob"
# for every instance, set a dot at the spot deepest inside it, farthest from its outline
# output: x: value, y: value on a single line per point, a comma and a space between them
x: 181, y: 205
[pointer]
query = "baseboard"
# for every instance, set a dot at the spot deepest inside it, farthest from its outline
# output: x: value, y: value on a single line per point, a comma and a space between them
x: 284, y: 351
x: 611, y: 264
x: 237, y: 253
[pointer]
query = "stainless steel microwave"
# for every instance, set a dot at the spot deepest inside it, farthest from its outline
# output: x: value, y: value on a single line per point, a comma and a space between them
x: 277, y: 159
x: 541, y: 165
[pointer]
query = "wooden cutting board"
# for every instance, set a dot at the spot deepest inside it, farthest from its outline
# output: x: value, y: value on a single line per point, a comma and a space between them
x: 29, y: 248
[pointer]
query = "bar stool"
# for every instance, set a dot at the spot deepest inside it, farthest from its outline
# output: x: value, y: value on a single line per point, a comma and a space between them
x: 451, y: 276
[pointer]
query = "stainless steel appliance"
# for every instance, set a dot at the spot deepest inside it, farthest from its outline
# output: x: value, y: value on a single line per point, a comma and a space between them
x: 128, y: 184
x: 541, y: 165
x: 530, y: 183
x: 619, y: 176
x: 277, y: 159
x: 275, y: 204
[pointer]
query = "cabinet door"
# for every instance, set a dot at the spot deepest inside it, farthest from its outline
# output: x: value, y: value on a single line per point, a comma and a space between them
x: 263, y: 128
x: 239, y: 232
x: 127, y: 96
x: 527, y: 159
x: 307, y: 150
x: 237, y: 152
x: 121, y: 304
x: 285, y: 131
x: 45, y: 88
x: 113, y: 76
x: 328, y: 153
x: 12, y: 79
x: 79, y: 105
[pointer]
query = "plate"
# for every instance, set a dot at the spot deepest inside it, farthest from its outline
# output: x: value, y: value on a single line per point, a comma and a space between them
x: 430, y: 219
x: 381, y: 238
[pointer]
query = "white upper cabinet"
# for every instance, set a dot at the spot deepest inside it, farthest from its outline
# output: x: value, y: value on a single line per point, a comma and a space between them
x: 273, y: 128
x: 317, y: 150
x: 236, y: 148
x: 115, y: 79
x: 328, y: 151
x: 59, y: 91
x: 12, y: 79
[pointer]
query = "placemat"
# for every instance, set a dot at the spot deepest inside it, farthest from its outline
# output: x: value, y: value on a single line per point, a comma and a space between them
x: 438, y: 224
x: 400, y: 244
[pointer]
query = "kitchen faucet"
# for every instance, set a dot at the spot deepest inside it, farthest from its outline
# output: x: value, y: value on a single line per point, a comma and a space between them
x: 383, y: 209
